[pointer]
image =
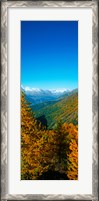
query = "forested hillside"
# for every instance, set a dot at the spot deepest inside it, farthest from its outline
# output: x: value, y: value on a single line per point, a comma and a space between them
x: 45, y: 151
x: 64, y: 110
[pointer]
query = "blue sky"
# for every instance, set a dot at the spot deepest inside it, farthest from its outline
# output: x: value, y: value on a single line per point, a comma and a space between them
x: 49, y: 54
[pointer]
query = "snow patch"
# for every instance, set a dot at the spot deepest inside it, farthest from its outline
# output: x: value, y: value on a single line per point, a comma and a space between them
x: 59, y: 90
x: 38, y: 90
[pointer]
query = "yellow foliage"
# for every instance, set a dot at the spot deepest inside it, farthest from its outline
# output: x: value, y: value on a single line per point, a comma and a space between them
x: 43, y: 149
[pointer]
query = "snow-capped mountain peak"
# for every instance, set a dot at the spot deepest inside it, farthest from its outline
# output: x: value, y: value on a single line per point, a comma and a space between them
x: 28, y: 89
x: 38, y: 90
x: 61, y: 90
x: 37, y: 95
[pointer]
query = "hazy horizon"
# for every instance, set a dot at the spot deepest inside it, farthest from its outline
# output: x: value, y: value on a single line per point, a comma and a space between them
x: 58, y: 88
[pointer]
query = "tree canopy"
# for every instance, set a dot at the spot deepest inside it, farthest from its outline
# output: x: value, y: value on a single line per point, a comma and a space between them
x: 43, y: 150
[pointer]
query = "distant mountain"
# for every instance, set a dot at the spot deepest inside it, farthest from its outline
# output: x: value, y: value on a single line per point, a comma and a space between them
x: 53, y: 105
x: 64, y: 110
x: 36, y: 95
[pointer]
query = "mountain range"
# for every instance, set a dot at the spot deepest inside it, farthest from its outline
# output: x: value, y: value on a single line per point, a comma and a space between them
x: 36, y: 95
x: 53, y: 105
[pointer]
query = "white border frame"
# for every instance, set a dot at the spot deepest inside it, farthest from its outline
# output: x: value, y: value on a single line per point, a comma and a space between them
x: 84, y: 182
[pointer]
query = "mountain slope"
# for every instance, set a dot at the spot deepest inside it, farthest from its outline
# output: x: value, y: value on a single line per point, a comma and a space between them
x: 65, y: 110
x: 36, y: 95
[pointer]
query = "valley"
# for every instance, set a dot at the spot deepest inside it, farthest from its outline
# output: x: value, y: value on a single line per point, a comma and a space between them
x: 50, y: 108
x: 49, y: 137
x: 65, y: 110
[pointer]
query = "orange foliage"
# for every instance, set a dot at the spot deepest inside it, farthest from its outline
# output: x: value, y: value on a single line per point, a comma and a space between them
x: 42, y: 150
x: 72, y: 151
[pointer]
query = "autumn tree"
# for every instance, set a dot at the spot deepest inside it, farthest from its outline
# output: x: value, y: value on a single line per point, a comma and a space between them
x: 71, y: 133
x: 36, y: 144
x: 29, y: 135
x: 43, y: 150
x: 60, y: 148
x: 66, y: 149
